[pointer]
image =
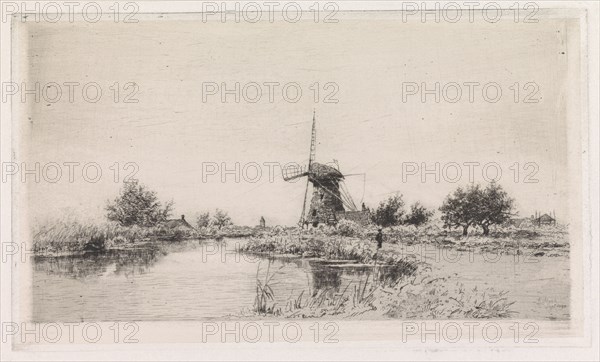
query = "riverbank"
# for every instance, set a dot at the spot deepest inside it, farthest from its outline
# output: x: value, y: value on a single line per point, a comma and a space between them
x: 77, y: 238
x: 344, y: 242
x: 399, y: 242
x: 385, y: 293
x: 534, y: 241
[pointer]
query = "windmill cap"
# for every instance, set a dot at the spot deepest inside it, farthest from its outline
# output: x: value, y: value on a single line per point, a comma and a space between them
x: 320, y: 170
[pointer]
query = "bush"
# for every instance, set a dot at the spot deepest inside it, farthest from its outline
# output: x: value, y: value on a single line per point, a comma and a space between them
x: 137, y: 205
x: 418, y: 216
x: 203, y: 221
x: 389, y: 212
x: 221, y: 219
x: 348, y: 228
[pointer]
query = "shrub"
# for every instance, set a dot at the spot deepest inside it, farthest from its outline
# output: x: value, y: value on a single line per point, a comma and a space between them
x: 389, y: 212
x: 203, y: 221
x: 348, y: 228
x: 418, y: 216
x: 221, y: 219
x: 137, y: 205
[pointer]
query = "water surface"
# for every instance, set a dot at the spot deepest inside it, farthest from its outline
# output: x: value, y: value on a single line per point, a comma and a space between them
x: 201, y: 280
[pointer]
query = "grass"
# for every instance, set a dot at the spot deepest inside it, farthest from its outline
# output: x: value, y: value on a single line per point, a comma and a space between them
x: 264, y: 303
x: 413, y: 293
x: 404, y: 297
x: 549, y: 239
x: 425, y: 297
x: 335, y: 244
x: 71, y: 236
x: 311, y: 304
x: 322, y: 246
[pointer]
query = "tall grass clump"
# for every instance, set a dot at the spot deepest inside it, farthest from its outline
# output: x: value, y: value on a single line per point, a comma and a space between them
x: 75, y: 236
x: 354, y: 299
x: 264, y: 302
x: 402, y: 297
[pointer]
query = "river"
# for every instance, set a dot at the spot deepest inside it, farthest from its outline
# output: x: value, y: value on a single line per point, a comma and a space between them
x: 204, y: 280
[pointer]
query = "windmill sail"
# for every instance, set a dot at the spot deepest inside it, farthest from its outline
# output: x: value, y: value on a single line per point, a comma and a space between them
x: 311, y: 158
x: 291, y: 173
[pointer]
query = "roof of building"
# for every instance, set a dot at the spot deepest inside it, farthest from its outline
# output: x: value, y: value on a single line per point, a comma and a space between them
x: 175, y: 223
x: 546, y: 217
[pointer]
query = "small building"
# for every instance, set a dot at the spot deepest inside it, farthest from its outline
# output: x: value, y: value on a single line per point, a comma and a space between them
x: 179, y: 224
x: 545, y: 220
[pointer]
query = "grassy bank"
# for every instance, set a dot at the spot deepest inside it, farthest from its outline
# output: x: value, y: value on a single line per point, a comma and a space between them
x: 352, y: 242
x: 75, y: 237
x: 328, y: 247
x: 539, y: 241
x: 414, y: 295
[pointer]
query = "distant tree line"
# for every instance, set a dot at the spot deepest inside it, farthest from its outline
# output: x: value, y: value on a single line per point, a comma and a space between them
x: 465, y: 207
x: 220, y: 219
x: 391, y: 212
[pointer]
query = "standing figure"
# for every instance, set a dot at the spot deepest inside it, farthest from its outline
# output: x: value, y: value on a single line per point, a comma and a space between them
x: 379, y: 238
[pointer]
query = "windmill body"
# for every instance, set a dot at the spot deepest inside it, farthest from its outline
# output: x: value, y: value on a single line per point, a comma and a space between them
x: 330, y: 200
x: 326, y: 199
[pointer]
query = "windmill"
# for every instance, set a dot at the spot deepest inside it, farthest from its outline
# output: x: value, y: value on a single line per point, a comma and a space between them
x: 330, y: 199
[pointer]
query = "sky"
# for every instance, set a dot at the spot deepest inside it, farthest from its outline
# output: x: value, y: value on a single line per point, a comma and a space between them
x: 178, y: 130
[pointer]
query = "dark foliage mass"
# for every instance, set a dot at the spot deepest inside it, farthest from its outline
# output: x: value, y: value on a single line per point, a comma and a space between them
x: 137, y: 205
x: 389, y: 212
x: 475, y: 206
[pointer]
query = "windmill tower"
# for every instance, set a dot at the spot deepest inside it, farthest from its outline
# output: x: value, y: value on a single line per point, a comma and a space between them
x: 330, y: 197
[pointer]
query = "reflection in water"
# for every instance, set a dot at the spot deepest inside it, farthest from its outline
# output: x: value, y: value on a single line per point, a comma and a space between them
x: 123, y: 262
x: 334, y: 276
x: 324, y: 277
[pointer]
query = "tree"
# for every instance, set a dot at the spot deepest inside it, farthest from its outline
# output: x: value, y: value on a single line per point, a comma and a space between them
x: 477, y: 206
x: 496, y: 207
x: 462, y: 207
x: 419, y: 215
x: 221, y: 219
x: 389, y: 212
x: 203, y: 220
x: 136, y: 205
